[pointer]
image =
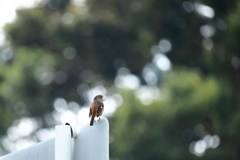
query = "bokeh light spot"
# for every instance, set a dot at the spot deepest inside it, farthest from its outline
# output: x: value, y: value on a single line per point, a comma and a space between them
x: 188, y: 6
x: 67, y: 18
x: 149, y: 75
x: 165, y: 45
x: 129, y: 81
x: 207, y: 30
x: 147, y: 94
x: 207, y: 43
x: 44, y: 75
x: 162, y: 62
x: 204, y: 10
x: 69, y: 53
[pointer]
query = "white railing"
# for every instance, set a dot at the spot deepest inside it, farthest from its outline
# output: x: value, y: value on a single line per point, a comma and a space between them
x: 90, y: 143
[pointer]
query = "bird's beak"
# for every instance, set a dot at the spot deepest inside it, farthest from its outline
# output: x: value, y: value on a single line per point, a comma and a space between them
x: 103, y: 99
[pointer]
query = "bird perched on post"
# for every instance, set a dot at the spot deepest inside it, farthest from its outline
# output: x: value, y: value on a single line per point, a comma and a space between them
x: 96, y: 108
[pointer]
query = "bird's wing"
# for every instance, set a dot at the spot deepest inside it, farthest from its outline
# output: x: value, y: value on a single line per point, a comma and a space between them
x: 100, y: 109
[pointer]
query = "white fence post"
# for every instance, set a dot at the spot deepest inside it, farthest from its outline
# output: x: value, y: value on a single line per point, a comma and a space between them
x: 63, y: 142
x: 92, y: 142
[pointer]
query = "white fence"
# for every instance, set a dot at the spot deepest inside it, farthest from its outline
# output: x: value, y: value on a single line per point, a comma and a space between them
x: 90, y: 143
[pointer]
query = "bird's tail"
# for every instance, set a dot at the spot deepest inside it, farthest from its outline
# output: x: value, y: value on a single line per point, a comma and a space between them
x: 92, y: 119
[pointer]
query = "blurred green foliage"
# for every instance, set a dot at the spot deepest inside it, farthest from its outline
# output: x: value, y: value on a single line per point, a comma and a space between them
x: 22, y: 77
x: 20, y: 84
x: 165, y: 129
x: 61, y: 50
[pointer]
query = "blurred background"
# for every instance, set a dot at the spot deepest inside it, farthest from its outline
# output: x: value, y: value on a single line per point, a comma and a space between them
x: 169, y: 71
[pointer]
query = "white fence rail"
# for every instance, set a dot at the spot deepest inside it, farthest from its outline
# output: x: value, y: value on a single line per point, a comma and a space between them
x: 90, y: 143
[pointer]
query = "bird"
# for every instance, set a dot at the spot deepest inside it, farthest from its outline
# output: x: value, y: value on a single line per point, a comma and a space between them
x: 96, y: 108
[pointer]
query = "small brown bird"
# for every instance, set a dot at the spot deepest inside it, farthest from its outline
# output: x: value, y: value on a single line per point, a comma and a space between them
x: 96, y: 109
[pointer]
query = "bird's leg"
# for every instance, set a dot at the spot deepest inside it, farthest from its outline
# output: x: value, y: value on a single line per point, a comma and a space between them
x: 99, y: 119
